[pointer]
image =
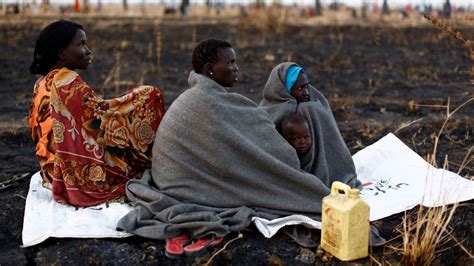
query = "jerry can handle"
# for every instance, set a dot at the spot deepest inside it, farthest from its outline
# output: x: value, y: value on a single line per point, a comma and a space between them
x: 336, y: 186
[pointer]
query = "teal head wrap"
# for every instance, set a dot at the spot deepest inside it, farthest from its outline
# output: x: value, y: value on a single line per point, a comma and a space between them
x: 291, y: 76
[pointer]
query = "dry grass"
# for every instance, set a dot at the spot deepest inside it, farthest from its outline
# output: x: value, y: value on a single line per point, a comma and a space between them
x: 117, y: 73
x: 407, y: 124
x: 426, y: 231
x: 149, y: 67
x: 271, y: 20
x: 456, y: 35
x: 159, y: 45
x: 326, y: 65
x: 114, y: 79
x: 112, y: 75
x: 239, y: 236
x: 449, y: 114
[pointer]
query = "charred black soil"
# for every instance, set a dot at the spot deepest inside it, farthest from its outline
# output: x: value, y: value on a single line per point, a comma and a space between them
x: 377, y: 79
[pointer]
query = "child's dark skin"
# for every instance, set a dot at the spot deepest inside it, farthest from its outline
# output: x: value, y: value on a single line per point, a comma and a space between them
x: 298, y: 135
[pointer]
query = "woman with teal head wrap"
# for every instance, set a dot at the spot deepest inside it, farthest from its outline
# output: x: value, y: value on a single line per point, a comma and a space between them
x: 288, y: 91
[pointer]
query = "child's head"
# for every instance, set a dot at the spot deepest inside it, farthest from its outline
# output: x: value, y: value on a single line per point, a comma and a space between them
x: 295, y: 130
x: 61, y: 44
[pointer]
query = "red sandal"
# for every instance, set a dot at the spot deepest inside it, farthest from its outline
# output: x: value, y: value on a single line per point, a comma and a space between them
x: 201, y: 245
x: 174, y: 246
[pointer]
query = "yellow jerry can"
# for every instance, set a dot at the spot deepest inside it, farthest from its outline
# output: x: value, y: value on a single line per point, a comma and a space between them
x: 345, y: 223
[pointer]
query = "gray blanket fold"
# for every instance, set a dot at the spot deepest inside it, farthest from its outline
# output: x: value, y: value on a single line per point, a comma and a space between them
x: 217, y: 162
x: 329, y: 159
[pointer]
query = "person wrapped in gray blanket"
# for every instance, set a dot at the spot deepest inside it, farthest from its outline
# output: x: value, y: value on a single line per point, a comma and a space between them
x: 217, y: 162
x: 288, y: 91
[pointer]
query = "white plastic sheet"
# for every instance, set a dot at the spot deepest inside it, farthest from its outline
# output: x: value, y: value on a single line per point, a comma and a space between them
x: 395, y: 179
x: 46, y: 218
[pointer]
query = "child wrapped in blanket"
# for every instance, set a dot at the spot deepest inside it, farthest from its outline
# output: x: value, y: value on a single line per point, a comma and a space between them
x: 295, y: 129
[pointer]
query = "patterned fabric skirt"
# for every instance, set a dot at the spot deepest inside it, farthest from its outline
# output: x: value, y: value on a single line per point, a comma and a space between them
x: 88, y: 147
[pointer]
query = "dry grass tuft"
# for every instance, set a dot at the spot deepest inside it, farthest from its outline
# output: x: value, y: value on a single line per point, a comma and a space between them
x: 457, y: 35
x: 424, y: 232
x: 272, y: 20
x: 449, y: 29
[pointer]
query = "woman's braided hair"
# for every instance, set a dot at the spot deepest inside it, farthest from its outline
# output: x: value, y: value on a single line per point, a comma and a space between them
x: 207, y: 52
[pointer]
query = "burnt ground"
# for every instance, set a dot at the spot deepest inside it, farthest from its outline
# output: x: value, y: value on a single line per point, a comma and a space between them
x: 377, y: 79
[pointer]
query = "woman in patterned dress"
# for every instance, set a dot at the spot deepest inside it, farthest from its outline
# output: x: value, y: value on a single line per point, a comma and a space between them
x: 87, y: 147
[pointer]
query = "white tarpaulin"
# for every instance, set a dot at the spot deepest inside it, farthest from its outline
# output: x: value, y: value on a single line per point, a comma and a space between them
x: 46, y: 218
x: 395, y: 179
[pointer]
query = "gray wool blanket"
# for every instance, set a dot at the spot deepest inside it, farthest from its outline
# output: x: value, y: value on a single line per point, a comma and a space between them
x: 329, y: 158
x: 218, y: 161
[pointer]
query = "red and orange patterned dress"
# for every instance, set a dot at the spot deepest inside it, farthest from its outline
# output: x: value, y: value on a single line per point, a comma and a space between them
x: 88, y: 147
